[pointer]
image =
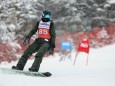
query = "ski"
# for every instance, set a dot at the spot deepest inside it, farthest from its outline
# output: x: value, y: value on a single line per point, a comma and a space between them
x: 37, y: 74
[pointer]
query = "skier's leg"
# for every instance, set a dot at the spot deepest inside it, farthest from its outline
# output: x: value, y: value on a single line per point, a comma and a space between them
x: 65, y: 54
x: 69, y: 55
x: 38, y: 57
x: 28, y: 52
x: 62, y: 55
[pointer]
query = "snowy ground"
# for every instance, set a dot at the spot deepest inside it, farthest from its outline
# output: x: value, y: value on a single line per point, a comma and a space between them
x: 99, y: 72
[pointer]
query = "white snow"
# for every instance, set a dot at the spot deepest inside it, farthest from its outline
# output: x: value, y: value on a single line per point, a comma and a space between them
x: 111, y: 1
x: 100, y: 71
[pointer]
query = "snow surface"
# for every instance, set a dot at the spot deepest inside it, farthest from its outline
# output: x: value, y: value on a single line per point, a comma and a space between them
x: 100, y: 71
x: 111, y: 1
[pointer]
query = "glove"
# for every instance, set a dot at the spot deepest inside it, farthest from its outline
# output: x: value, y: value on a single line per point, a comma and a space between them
x: 52, y: 44
x: 26, y: 41
x: 51, y: 51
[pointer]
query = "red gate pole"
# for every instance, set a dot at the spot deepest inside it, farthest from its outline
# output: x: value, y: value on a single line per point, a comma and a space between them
x: 87, y: 59
x: 75, y: 58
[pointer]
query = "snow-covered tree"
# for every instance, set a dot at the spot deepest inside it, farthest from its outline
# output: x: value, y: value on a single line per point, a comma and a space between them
x: 17, y: 17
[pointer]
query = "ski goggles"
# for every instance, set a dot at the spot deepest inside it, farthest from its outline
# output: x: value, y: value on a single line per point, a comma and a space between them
x: 47, y: 16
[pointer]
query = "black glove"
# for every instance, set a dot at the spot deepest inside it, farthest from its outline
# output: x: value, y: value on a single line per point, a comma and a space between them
x: 51, y: 51
x: 26, y: 41
x: 52, y: 44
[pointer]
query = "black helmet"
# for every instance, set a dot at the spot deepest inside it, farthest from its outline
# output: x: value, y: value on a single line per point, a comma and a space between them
x: 46, y: 14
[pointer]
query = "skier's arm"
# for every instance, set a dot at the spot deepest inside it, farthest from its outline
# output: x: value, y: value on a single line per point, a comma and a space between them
x: 52, y: 40
x: 53, y: 35
x: 33, y: 31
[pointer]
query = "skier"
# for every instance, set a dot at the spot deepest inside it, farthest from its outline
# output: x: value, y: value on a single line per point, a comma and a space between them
x: 66, y: 46
x: 45, y: 42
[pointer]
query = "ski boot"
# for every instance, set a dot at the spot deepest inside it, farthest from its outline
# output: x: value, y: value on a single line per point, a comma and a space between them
x: 16, y: 68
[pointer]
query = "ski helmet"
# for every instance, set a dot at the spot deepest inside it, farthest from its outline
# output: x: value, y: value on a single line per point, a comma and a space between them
x: 46, y: 14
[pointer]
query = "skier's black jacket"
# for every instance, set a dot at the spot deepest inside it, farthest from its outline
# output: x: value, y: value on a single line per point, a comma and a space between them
x: 41, y: 40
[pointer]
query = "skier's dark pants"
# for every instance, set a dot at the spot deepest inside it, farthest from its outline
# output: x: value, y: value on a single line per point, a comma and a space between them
x: 34, y: 47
